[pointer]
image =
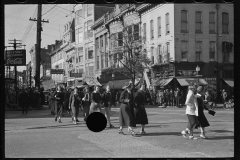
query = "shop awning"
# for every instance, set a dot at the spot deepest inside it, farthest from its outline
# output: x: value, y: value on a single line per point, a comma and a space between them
x: 229, y: 82
x: 117, y: 84
x: 189, y: 81
x: 162, y: 82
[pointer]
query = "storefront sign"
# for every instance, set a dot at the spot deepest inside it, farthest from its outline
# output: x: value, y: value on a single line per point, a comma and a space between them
x: 9, y: 80
x: 16, y: 58
x: 57, y: 71
x: 76, y: 75
x: 186, y: 73
x: 90, y: 80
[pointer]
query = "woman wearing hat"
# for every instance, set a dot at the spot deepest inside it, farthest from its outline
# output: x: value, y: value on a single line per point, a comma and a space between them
x: 86, y: 102
x: 203, y: 122
x: 74, y: 103
x: 140, y: 111
x: 192, y: 112
x: 95, y: 100
x: 125, y: 116
x: 107, y: 99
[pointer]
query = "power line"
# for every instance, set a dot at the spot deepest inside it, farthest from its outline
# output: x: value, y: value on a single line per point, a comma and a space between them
x: 49, y: 10
x: 65, y: 9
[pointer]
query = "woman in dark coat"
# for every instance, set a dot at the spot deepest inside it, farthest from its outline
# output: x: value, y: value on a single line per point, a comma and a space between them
x: 107, y: 99
x: 203, y: 122
x: 74, y: 103
x: 95, y: 100
x: 59, y: 97
x: 140, y: 111
x: 86, y: 102
x: 126, y: 118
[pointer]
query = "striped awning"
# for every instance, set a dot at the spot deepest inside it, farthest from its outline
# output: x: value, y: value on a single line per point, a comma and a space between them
x: 189, y: 81
x: 229, y: 82
x: 162, y: 82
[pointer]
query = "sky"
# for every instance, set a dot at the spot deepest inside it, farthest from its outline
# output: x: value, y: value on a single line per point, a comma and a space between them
x: 19, y: 27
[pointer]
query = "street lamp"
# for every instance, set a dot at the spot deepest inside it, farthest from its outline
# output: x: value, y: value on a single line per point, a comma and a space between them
x: 113, y: 76
x: 30, y: 70
x: 198, y: 69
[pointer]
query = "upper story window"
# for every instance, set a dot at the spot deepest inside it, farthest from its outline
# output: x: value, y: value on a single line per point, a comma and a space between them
x: 89, y: 9
x: 211, y: 22
x: 198, y: 22
x: 167, y: 24
x: 159, y: 26
x: 151, y: 30
x: 198, y: 47
x: 120, y: 39
x: 90, y: 53
x: 144, y: 32
x: 101, y: 39
x: 184, y: 21
x: 97, y: 43
x: 225, y: 23
x: 88, y: 32
x: 184, y: 50
x: 152, y: 54
x: 212, y: 50
x: 106, y: 40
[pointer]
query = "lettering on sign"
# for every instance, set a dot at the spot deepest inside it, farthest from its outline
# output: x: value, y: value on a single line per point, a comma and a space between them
x: 16, y: 57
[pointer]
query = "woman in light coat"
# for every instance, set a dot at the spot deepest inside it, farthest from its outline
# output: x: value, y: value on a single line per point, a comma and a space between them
x: 191, y: 112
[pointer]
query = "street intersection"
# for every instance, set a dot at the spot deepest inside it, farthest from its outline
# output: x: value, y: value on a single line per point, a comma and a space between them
x: 37, y: 135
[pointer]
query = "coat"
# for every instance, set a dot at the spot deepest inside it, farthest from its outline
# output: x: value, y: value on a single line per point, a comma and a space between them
x: 191, y: 103
x: 107, y: 99
x: 126, y: 112
x: 140, y: 111
x: 203, y: 122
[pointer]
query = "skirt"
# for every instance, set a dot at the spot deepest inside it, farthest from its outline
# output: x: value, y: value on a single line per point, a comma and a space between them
x: 203, y: 122
x: 126, y: 116
x: 94, y: 107
x: 192, y: 121
x: 141, y: 116
x: 86, y: 108
x: 75, y: 111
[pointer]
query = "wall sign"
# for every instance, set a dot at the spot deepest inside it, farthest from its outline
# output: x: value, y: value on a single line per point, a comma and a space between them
x: 76, y: 75
x: 186, y: 73
x: 15, y: 57
x: 212, y: 83
x: 57, y: 71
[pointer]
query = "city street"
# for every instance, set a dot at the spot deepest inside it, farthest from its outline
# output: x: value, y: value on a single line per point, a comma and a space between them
x: 37, y: 135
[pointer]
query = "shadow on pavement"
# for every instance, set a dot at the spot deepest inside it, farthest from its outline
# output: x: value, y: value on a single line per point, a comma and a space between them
x: 59, y: 126
x: 222, y: 131
x: 220, y: 137
x: 163, y: 134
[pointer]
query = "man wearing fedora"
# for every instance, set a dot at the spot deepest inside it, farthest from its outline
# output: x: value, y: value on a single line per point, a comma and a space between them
x: 126, y: 116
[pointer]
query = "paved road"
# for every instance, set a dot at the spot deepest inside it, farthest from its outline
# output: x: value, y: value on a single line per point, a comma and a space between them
x: 37, y: 135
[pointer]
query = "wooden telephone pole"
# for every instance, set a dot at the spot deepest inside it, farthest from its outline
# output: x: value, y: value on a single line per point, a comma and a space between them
x: 15, y: 67
x: 38, y: 49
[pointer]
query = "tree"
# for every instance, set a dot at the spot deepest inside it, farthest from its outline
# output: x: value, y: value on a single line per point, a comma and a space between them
x: 128, y: 57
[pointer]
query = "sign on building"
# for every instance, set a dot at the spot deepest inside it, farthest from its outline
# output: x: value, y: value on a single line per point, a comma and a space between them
x: 76, y: 75
x: 57, y: 71
x: 15, y: 57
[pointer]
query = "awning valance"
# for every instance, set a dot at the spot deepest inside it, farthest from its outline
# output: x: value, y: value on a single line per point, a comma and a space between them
x: 91, y: 81
x: 162, y: 82
x: 189, y: 81
x: 117, y: 84
x: 229, y: 82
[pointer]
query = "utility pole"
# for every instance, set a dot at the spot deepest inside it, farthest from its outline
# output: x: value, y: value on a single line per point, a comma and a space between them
x: 38, y: 49
x: 15, y: 67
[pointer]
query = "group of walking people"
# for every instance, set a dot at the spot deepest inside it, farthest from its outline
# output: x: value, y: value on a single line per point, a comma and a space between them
x: 168, y: 97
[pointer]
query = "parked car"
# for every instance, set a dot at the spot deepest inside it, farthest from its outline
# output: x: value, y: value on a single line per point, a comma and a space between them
x: 46, y: 93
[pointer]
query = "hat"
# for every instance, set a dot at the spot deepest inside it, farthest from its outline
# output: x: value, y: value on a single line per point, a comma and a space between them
x: 199, y: 88
x: 127, y: 85
x: 191, y: 87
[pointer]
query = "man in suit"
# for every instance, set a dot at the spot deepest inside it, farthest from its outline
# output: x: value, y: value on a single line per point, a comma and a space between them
x: 24, y: 100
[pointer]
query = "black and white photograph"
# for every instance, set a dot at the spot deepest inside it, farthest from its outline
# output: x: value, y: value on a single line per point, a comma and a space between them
x: 141, y: 80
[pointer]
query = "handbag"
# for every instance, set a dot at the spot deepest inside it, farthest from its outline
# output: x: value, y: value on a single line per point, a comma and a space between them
x: 211, y: 112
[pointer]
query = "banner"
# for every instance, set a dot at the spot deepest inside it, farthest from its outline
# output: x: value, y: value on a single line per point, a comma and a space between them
x: 92, y: 81
x: 48, y: 84
x: 15, y: 57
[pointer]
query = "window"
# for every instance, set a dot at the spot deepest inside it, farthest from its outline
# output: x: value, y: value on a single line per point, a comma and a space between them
x: 198, y: 22
x: 144, y: 32
x: 89, y: 9
x: 88, y: 33
x: 106, y: 60
x: 80, y: 36
x: 159, y: 26
x: 129, y: 33
x: 184, y: 50
x: 184, y: 21
x: 80, y: 59
x: 212, y: 51
x: 97, y: 43
x: 225, y: 22
x: 120, y: 39
x: 198, y: 48
x: 212, y: 22
x: 101, y: 39
x: 76, y: 60
x: 152, y: 56
x: 106, y: 39
x: 113, y: 40
x: 167, y: 24
x: 97, y: 62
x: 136, y: 32
x: 159, y: 54
x: 86, y: 53
x: 151, y: 30
x: 102, y: 61
x: 90, y: 53
x: 91, y: 70
x: 168, y: 51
